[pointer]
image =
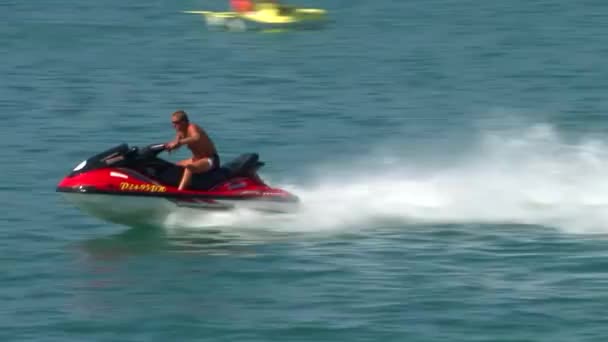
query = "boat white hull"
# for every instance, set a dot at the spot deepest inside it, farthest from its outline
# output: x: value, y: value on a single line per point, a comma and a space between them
x: 233, y: 22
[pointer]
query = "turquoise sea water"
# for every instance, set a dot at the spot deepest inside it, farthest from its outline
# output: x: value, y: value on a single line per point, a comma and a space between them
x: 450, y: 156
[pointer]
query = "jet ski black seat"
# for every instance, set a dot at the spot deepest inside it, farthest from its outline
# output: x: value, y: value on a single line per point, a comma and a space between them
x: 241, y: 166
x: 170, y: 174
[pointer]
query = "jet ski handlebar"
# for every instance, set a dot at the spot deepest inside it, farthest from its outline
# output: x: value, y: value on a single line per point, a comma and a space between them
x: 149, y: 151
x: 156, y: 148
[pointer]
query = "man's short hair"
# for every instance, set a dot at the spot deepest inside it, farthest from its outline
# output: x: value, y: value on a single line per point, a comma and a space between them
x: 180, y: 115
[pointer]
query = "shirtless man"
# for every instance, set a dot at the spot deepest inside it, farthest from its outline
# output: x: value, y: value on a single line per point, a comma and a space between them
x: 204, y: 156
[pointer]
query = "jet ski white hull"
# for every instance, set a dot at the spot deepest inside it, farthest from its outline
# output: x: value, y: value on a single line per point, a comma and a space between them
x: 132, y: 210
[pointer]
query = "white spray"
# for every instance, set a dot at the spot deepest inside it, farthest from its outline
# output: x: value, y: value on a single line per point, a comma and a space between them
x: 533, y: 177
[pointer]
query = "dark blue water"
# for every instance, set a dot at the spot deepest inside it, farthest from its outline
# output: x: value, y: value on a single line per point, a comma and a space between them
x: 450, y: 156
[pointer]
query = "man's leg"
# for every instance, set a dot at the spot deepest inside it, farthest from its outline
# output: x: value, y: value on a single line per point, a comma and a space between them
x: 198, y: 166
x: 201, y: 165
x: 186, y: 178
x: 184, y: 162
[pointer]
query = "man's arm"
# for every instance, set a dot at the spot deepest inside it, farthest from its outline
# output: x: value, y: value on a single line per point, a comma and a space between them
x: 193, y: 135
x: 175, y: 143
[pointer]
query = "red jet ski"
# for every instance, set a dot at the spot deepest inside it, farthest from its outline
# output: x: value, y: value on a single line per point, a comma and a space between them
x: 125, y: 183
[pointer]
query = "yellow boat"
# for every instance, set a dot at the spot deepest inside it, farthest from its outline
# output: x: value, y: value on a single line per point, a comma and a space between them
x: 265, y: 16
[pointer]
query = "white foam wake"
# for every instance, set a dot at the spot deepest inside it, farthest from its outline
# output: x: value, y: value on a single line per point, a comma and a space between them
x: 530, y: 177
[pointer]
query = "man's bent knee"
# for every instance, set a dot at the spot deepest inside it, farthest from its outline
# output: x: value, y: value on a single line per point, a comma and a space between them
x: 184, y: 162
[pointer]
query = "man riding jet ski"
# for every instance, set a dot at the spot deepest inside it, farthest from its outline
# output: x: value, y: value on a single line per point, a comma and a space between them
x: 128, y: 181
x: 204, y: 155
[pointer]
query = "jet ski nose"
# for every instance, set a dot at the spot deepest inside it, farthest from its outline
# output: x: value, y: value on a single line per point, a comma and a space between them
x: 70, y: 184
x: 66, y: 182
